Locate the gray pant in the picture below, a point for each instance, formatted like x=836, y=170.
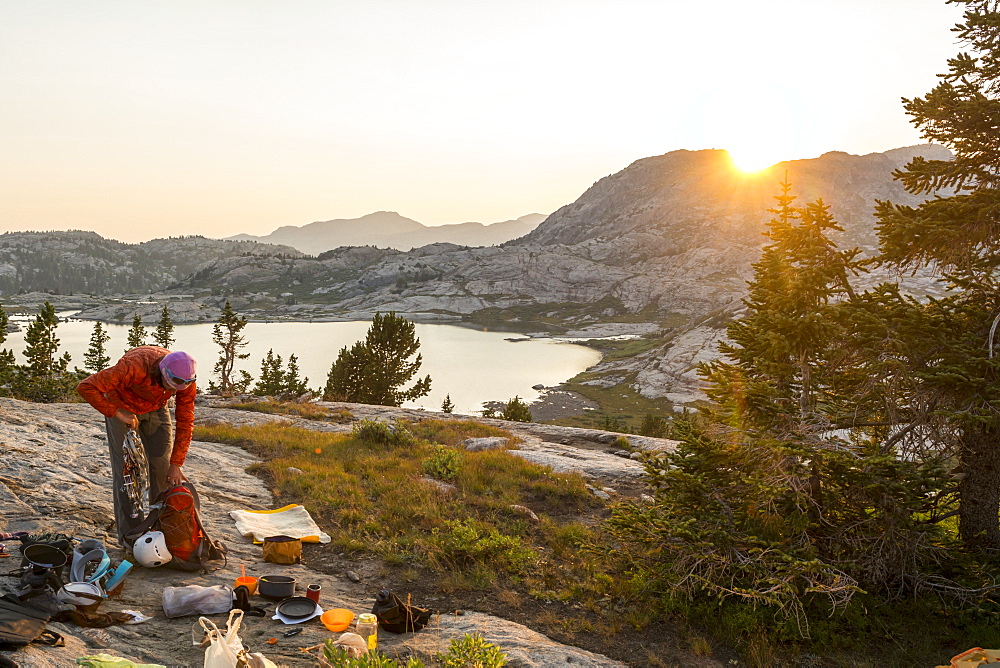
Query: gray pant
x=156, y=431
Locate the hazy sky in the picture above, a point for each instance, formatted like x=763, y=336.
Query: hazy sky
x=140, y=119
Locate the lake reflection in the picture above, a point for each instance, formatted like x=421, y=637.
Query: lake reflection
x=472, y=366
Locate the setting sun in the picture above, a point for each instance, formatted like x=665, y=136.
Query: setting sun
x=753, y=160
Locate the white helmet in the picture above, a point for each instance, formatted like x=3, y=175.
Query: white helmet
x=151, y=549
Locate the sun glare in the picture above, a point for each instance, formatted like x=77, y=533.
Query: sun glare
x=750, y=161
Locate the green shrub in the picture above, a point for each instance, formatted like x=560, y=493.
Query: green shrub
x=463, y=542
x=443, y=464
x=375, y=431
x=516, y=411
x=335, y=657
x=472, y=651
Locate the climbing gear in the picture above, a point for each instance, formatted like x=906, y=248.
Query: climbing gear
x=135, y=472
x=90, y=561
x=151, y=549
x=115, y=577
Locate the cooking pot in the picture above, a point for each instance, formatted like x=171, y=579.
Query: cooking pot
x=44, y=555
x=276, y=586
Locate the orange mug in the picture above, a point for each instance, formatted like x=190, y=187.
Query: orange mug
x=248, y=582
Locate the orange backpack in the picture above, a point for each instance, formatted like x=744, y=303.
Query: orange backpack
x=178, y=518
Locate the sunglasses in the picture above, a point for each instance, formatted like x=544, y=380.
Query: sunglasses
x=177, y=380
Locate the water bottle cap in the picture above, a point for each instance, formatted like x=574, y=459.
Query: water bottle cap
x=367, y=618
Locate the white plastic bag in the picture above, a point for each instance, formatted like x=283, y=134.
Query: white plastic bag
x=224, y=647
x=195, y=600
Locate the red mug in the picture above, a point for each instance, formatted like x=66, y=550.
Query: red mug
x=313, y=592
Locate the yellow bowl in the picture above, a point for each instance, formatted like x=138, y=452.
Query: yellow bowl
x=248, y=582
x=337, y=619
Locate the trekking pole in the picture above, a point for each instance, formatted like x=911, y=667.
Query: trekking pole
x=135, y=480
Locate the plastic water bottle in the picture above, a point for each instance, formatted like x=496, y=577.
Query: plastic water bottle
x=368, y=629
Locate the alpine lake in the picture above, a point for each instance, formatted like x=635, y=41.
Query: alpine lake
x=470, y=365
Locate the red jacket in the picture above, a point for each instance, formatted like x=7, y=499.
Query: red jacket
x=133, y=384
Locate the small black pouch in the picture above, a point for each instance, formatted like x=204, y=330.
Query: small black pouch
x=396, y=616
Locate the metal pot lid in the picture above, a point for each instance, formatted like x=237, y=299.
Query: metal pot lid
x=297, y=607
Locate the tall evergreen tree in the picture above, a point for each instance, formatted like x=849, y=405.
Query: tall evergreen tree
x=375, y=370
x=766, y=502
x=96, y=357
x=271, y=381
x=45, y=376
x=137, y=333
x=164, y=334
x=780, y=363
x=293, y=384
x=8, y=363
x=226, y=334
x=42, y=345
x=947, y=347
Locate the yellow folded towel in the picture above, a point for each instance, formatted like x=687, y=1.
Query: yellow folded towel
x=293, y=520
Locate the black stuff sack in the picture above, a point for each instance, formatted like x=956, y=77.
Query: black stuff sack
x=21, y=625
x=396, y=616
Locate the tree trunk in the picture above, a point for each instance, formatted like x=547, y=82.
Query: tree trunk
x=979, y=489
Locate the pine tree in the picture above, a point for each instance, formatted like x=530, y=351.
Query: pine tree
x=764, y=500
x=946, y=347
x=45, y=376
x=226, y=334
x=42, y=346
x=164, y=334
x=272, y=379
x=8, y=363
x=96, y=357
x=375, y=370
x=447, y=406
x=781, y=362
x=137, y=334
x=292, y=383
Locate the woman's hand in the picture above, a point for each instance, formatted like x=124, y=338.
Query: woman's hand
x=128, y=419
x=175, y=476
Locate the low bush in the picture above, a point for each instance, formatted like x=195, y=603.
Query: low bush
x=443, y=464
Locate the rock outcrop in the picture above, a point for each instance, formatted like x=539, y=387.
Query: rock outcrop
x=55, y=477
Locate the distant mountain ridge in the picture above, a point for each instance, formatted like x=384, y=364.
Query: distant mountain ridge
x=674, y=234
x=77, y=261
x=388, y=229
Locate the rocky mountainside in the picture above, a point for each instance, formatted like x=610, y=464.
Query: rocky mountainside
x=77, y=261
x=668, y=240
x=672, y=234
x=388, y=229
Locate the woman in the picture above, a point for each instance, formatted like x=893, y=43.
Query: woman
x=133, y=394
